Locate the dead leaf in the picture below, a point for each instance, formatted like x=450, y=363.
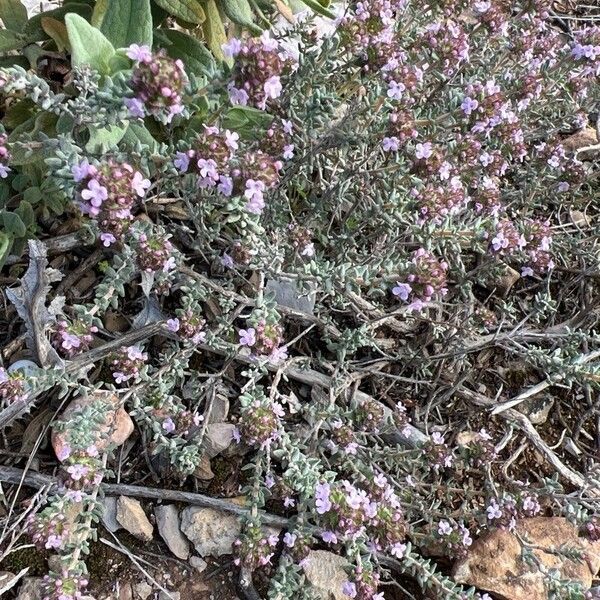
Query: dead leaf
x=34, y=430
x=285, y=11
x=30, y=301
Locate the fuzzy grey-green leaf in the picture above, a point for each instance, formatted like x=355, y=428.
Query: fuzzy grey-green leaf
x=126, y=22
x=89, y=45
x=188, y=10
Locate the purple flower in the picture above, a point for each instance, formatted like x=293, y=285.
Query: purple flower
x=444, y=528
x=95, y=193
x=329, y=537
x=398, y=550
x=4, y=171
x=227, y=261
x=232, y=47
x=288, y=127
x=469, y=105
x=278, y=354
x=107, y=239
x=247, y=336
x=135, y=107
x=78, y=471
x=225, y=186
x=273, y=87
x=139, y=53
x=254, y=189
x=563, y=186
x=395, y=90
x=238, y=96
x=70, y=341
x=322, y=502
x=182, y=161
x=349, y=588
x=168, y=425
x=208, y=168
x=390, y=144
x=402, y=290
x=424, y=150
x=139, y=184
x=255, y=206
x=82, y=170
x=526, y=272
x=173, y=325
x=493, y=511
x=231, y=139
x=63, y=452
x=289, y=539
x=288, y=152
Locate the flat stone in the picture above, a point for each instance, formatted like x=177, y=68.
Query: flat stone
x=142, y=590
x=167, y=521
x=325, y=571
x=114, y=431
x=217, y=438
x=494, y=562
x=286, y=293
x=198, y=563
x=109, y=516
x=132, y=517
x=169, y=596
x=211, y=531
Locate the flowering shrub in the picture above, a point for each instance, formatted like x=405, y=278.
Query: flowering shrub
x=401, y=169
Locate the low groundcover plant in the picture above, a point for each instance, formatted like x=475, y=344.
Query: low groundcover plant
x=411, y=169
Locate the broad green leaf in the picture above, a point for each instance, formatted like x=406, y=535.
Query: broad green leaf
x=240, y=13
x=58, y=32
x=34, y=30
x=99, y=11
x=25, y=212
x=245, y=119
x=319, y=7
x=214, y=31
x=188, y=10
x=12, y=224
x=13, y=15
x=105, y=139
x=12, y=61
x=138, y=134
x=5, y=243
x=89, y=46
x=126, y=22
x=194, y=54
x=31, y=196
x=18, y=113
x=10, y=40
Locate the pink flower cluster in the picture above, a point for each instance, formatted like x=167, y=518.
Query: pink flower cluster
x=261, y=423
x=504, y=512
x=259, y=66
x=454, y=538
x=368, y=416
x=63, y=586
x=155, y=253
x=158, y=83
x=265, y=339
x=480, y=450
x=426, y=278
x=108, y=193
x=439, y=454
x=73, y=338
x=363, y=584
x=215, y=161
x=4, y=157
x=188, y=325
x=128, y=363
x=12, y=386
x=253, y=549
x=48, y=529
x=348, y=512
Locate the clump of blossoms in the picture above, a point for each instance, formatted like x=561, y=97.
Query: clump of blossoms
x=426, y=278
x=363, y=584
x=49, y=529
x=347, y=512
x=128, y=364
x=254, y=549
x=504, y=512
x=454, y=538
x=479, y=449
x=12, y=386
x=260, y=420
x=66, y=585
x=108, y=192
x=265, y=339
x=439, y=454
x=158, y=83
x=259, y=66
x=4, y=157
x=72, y=338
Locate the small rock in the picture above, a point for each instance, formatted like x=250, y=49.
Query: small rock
x=125, y=591
x=211, y=531
x=109, y=515
x=219, y=409
x=204, y=471
x=325, y=571
x=537, y=409
x=115, y=430
x=142, y=590
x=584, y=137
x=169, y=596
x=167, y=521
x=286, y=293
x=132, y=517
x=31, y=589
x=504, y=280
x=494, y=561
x=579, y=218
x=198, y=563
x=217, y=437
